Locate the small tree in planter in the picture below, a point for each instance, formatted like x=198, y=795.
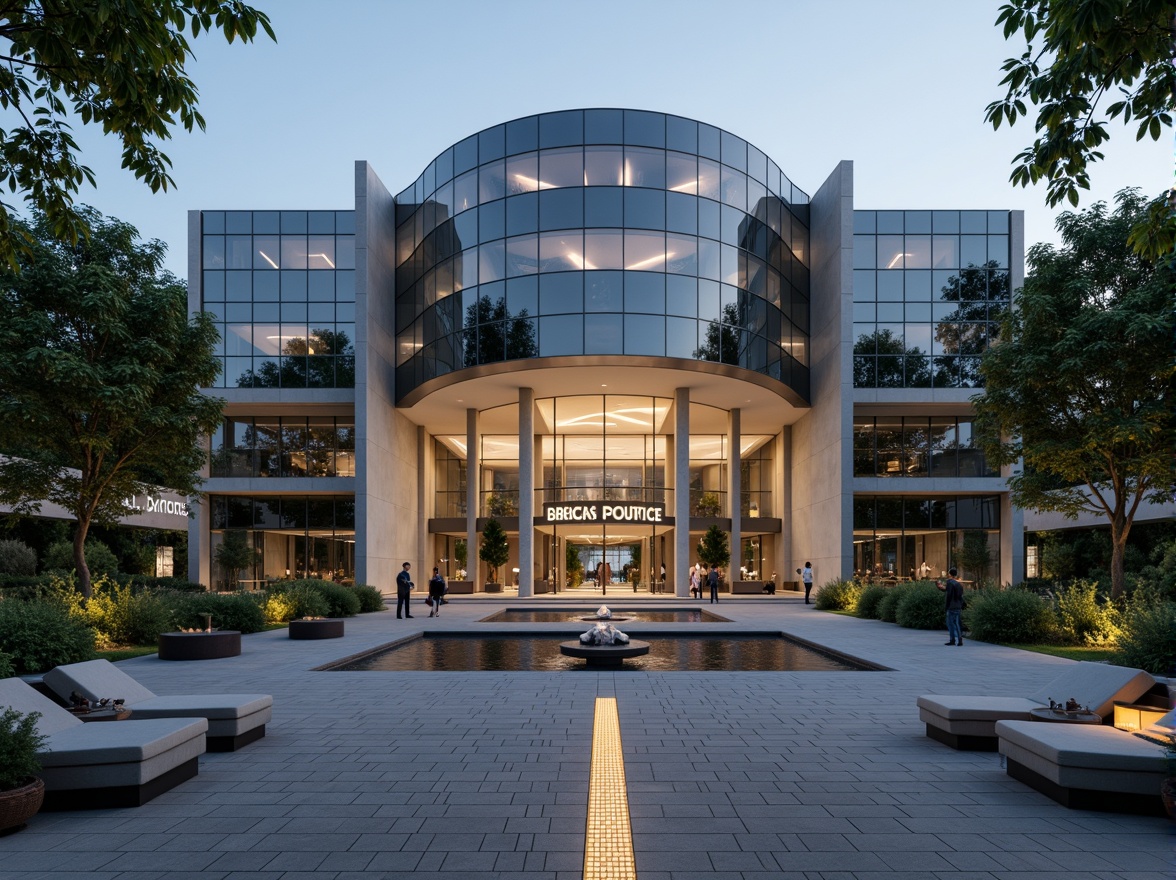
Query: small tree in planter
x=21, y=791
x=460, y=556
x=708, y=505
x=713, y=549
x=234, y=554
x=495, y=550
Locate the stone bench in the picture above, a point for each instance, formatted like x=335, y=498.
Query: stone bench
x=1085, y=767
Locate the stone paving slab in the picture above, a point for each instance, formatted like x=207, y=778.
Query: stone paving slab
x=821, y=775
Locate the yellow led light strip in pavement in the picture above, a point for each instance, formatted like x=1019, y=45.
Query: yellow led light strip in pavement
x=608, y=843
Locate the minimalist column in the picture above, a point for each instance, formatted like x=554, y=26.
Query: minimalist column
x=526, y=492
x=734, y=493
x=473, y=481
x=682, y=556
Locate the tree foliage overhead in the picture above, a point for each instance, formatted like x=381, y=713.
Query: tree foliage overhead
x=1087, y=63
x=1084, y=377
x=115, y=63
x=100, y=371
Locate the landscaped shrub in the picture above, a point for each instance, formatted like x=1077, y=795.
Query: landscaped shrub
x=838, y=596
x=286, y=601
x=40, y=635
x=149, y=582
x=17, y=557
x=19, y=744
x=239, y=611
x=99, y=558
x=26, y=586
x=1083, y=619
x=1009, y=617
x=1148, y=641
x=341, y=601
x=888, y=607
x=869, y=600
x=370, y=599
x=921, y=606
x=120, y=616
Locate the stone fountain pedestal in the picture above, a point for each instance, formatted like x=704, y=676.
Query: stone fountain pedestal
x=605, y=656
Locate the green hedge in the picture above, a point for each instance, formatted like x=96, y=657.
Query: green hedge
x=888, y=607
x=1149, y=637
x=287, y=600
x=370, y=599
x=838, y=596
x=40, y=635
x=239, y=611
x=148, y=582
x=869, y=600
x=1011, y=617
x=1085, y=618
x=921, y=606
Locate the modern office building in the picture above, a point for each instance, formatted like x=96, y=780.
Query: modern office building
x=608, y=330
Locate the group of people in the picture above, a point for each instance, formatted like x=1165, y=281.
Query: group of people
x=404, y=585
x=704, y=574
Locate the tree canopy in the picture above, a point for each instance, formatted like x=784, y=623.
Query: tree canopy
x=1080, y=54
x=100, y=371
x=495, y=548
x=1083, y=378
x=115, y=63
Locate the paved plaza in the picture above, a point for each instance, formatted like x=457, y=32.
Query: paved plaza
x=485, y=774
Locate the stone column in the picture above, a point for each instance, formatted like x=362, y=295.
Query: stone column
x=526, y=492
x=682, y=555
x=734, y=491
x=473, y=481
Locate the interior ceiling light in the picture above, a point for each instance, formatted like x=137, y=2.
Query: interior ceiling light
x=688, y=186
x=660, y=258
x=324, y=257
x=265, y=257
x=897, y=257
x=534, y=183
x=578, y=261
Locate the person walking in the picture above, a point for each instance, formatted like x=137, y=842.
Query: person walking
x=712, y=581
x=695, y=582
x=806, y=575
x=954, y=596
x=403, y=591
x=436, y=592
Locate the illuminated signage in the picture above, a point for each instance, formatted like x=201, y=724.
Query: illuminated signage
x=603, y=512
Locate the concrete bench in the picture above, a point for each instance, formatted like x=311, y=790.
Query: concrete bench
x=1085, y=767
x=120, y=764
x=969, y=722
x=234, y=720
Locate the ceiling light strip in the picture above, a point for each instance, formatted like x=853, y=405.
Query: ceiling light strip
x=608, y=841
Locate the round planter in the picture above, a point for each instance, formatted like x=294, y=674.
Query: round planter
x=199, y=645
x=604, y=655
x=18, y=805
x=323, y=628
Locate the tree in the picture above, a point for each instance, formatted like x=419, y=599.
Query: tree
x=115, y=63
x=324, y=360
x=1076, y=53
x=573, y=565
x=493, y=334
x=887, y=371
x=1083, y=379
x=973, y=554
x=233, y=554
x=100, y=377
x=713, y=549
x=494, y=549
x=722, y=338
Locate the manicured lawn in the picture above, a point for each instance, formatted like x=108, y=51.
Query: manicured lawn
x=117, y=654
x=1094, y=655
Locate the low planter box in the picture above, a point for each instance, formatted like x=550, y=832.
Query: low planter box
x=747, y=587
x=493, y=588
x=323, y=628
x=199, y=645
x=461, y=587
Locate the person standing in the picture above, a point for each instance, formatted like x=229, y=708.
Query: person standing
x=954, y=596
x=695, y=582
x=712, y=581
x=403, y=591
x=436, y=592
x=806, y=575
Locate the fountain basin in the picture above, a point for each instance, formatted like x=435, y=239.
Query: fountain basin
x=604, y=655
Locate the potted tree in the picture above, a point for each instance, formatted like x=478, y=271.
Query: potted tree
x=713, y=549
x=708, y=505
x=21, y=790
x=459, y=584
x=494, y=551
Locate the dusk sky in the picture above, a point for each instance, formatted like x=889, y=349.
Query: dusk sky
x=899, y=88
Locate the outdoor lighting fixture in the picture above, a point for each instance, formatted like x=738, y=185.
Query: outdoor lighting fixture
x=1132, y=716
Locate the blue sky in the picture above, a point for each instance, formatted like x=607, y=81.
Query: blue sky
x=898, y=87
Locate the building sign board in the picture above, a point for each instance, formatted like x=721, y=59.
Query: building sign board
x=604, y=512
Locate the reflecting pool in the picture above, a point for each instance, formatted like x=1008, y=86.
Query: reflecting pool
x=532, y=653
x=588, y=615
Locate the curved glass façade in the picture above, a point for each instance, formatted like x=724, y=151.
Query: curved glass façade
x=602, y=232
